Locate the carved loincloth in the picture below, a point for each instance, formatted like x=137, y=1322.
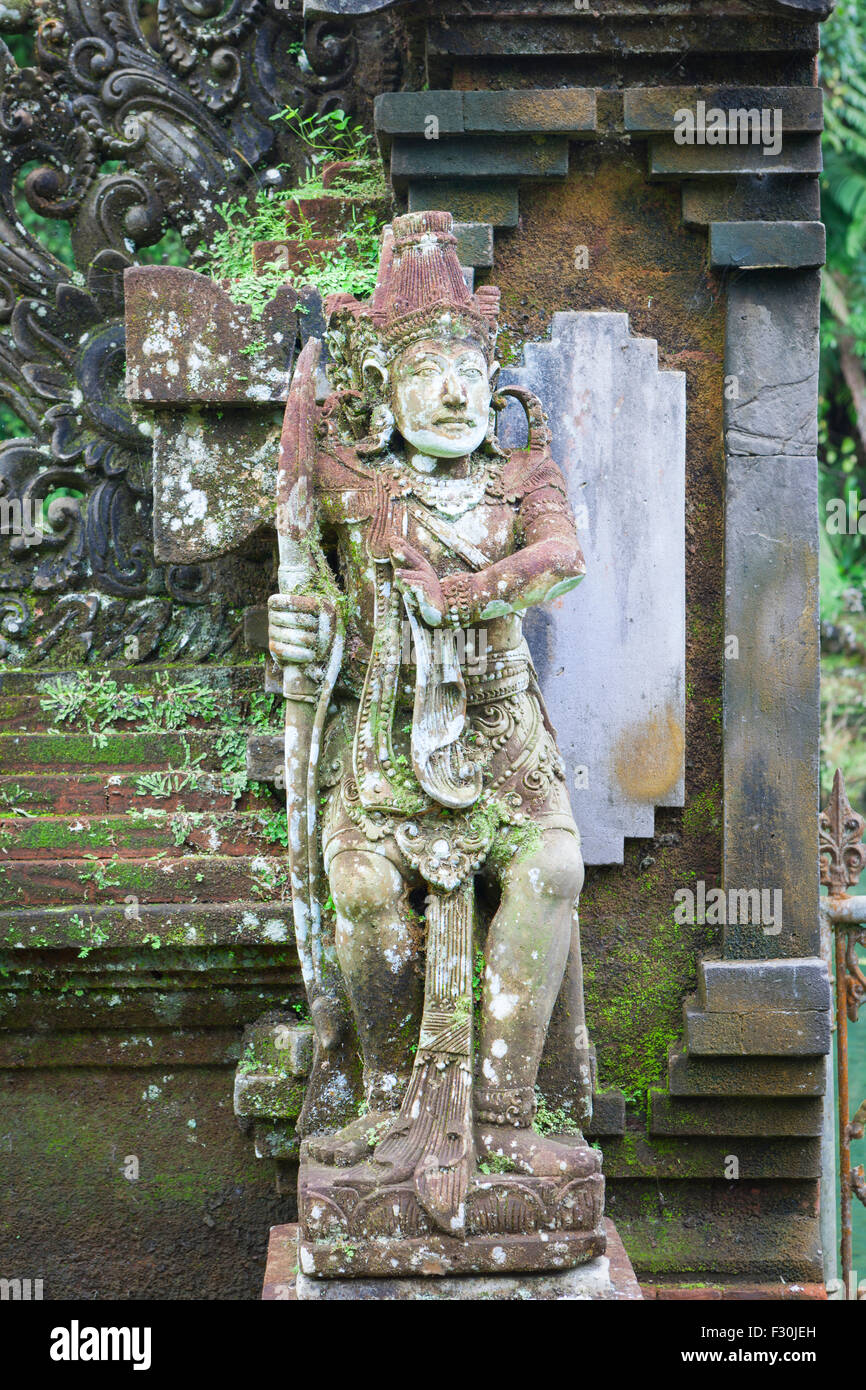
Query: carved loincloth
x=523, y=787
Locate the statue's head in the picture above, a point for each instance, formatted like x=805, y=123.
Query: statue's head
x=421, y=350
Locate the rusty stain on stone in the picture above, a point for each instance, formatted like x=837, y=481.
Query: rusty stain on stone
x=648, y=757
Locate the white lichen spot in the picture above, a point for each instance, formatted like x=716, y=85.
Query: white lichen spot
x=503, y=1005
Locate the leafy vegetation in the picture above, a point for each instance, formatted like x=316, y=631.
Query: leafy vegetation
x=352, y=265
x=842, y=408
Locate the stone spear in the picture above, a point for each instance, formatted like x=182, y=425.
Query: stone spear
x=307, y=689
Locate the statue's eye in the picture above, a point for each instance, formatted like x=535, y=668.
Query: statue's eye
x=470, y=371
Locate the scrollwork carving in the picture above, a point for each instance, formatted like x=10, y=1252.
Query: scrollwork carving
x=127, y=125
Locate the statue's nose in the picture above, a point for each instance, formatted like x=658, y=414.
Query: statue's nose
x=453, y=390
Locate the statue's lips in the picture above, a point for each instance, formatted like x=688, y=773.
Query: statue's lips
x=464, y=421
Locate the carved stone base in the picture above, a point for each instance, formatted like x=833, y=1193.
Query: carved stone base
x=589, y=1281
x=608, y=1277
x=514, y=1224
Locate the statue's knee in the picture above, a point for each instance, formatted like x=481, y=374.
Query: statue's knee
x=363, y=885
x=554, y=869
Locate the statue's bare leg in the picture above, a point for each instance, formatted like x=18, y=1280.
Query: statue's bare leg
x=527, y=949
x=379, y=948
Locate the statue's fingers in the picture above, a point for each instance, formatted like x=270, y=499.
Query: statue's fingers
x=294, y=637
x=290, y=604
x=288, y=624
x=295, y=618
x=285, y=651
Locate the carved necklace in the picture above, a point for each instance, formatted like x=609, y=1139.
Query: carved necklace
x=452, y=497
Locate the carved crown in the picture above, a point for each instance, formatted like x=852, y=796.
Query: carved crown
x=420, y=290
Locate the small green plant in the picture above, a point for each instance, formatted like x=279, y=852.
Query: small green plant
x=275, y=827
x=552, y=1121
x=498, y=1163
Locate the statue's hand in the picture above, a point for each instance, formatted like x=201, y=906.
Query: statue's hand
x=416, y=576
x=299, y=628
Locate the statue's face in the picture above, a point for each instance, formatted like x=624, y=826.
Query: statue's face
x=440, y=396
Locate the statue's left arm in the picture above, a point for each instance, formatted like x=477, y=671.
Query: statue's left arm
x=548, y=563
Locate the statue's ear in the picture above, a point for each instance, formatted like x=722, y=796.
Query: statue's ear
x=493, y=374
x=375, y=375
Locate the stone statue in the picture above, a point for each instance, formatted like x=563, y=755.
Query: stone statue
x=424, y=784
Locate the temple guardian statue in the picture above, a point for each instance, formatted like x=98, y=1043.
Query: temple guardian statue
x=429, y=823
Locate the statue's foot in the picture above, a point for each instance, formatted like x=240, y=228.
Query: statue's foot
x=350, y=1145
x=501, y=1148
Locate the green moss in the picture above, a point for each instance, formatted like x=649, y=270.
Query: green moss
x=703, y=814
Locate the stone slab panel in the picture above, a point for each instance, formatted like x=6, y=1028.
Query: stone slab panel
x=608, y=1114
x=472, y=36
x=753, y=986
x=564, y=110
x=214, y=479
x=187, y=341
x=764, y=197
x=745, y=1076
x=767, y=1117
x=800, y=154
x=638, y=1156
x=610, y=655
x=771, y=1034
x=408, y=113
x=771, y=357
x=474, y=244
x=610, y=1278
x=481, y=201
x=650, y=110
x=771, y=690
x=767, y=245
x=559, y=110
x=479, y=157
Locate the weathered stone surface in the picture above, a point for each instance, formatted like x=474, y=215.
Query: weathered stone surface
x=409, y=113
x=754, y=986
x=767, y=245
x=182, y=925
x=716, y=1229
x=800, y=154
x=214, y=480
x=265, y=757
x=764, y=1117
x=266, y=1094
x=481, y=201
x=650, y=110
x=735, y=1293
x=479, y=156
x=765, y=197
x=608, y=1114
x=745, y=1076
x=170, y=1048
x=771, y=1034
x=771, y=717
x=474, y=244
x=609, y=1277
x=771, y=356
x=187, y=341
x=464, y=37
x=591, y=1281
x=280, y=1042
x=637, y=1155
x=618, y=431
x=567, y=111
